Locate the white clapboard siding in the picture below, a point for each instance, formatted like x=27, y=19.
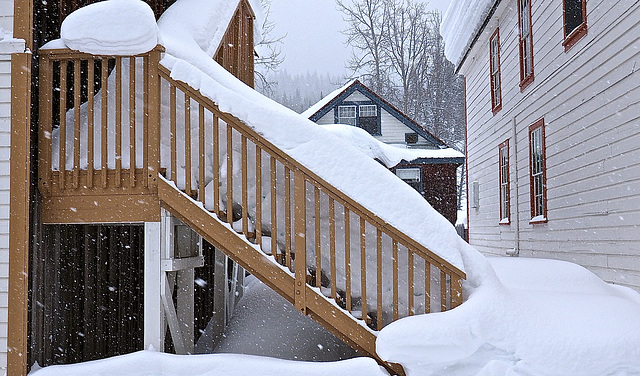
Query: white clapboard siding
x=589, y=98
x=5, y=136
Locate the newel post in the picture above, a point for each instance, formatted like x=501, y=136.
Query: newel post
x=152, y=116
x=300, y=228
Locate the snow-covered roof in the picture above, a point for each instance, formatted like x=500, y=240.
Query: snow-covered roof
x=390, y=155
x=462, y=21
x=336, y=97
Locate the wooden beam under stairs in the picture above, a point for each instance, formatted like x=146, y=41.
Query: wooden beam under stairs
x=247, y=255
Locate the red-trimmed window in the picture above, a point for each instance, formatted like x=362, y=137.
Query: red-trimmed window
x=505, y=202
x=526, y=43
x=574, y=16
x=494, y=65
x=537, y=163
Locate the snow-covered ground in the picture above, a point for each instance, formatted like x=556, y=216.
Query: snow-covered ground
x=265, y=324
x=544, y=317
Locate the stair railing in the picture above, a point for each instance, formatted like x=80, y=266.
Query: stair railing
x=325, y=238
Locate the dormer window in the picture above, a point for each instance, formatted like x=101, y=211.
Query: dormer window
x=347, y=115
x=363, y=116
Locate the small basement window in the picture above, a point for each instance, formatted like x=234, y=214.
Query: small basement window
x=411, y=176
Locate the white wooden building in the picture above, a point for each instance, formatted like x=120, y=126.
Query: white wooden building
x=433, y=173
x=553, y=130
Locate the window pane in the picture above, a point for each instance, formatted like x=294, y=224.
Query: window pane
x=368, y=110
x=347, y=115
x=573, y=16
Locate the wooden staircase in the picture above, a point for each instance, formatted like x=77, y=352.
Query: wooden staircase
x=324, y=252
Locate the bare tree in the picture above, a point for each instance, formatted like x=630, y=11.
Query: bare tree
x=366, y=33
x=268, y=55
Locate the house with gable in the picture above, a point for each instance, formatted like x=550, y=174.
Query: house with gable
x=553, y=133
x=142, y=176
x=432, y=173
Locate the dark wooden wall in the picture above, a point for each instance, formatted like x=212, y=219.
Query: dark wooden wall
x=439, y=184
x=235, y=53
x=86, y=293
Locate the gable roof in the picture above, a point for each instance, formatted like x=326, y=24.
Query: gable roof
x=326, y=104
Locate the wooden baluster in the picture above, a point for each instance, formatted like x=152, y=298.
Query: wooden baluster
x=379, y=277
x=258, y=196
x=245, y=189
x=90, y=121
x=132, y=122
x=332, y=247
x=118, y=154
x=394, y=245
x=410, y=282
x=62, y=142
x=427, y=286
x=274, y=217
x=363, y=267
x=201, y=154
x=300, y=241
x=76, y=123
x=347, y=256
x=173, y=121
x=443, y=291
x=318, y=248
x=148, y=109
x=287, y=215
x=45, y=156
x=105, y=122
x=229, y=174
x=187, y=144
x=216, y=165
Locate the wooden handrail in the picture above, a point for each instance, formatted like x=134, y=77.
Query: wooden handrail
x=293, y=164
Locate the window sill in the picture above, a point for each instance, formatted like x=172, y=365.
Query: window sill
x=504, y=222
x=575, y=36
x=526, y=82
x=496, y=109
x=538, y=219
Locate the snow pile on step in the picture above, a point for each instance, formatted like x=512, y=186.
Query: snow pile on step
x=161, y=364
x=334, y=160
x=113, y=27
x=460, y=24
x=390, y=155
x=546, y=317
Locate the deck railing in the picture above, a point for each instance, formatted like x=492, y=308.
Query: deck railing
x=325, y=238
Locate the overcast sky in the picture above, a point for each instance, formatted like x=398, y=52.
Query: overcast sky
x=313, y=40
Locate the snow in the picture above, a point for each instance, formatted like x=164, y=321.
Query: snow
x=324, y=101
x=334, y=160
x=389, y=155
x=113, y=27
x=265, y=324
x=542, y=317
x=151, y=363
x=460, y=24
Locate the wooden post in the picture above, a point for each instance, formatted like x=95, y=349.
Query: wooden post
x=19, y=214
x=152, y=117
x=153, y=325
x=300, y=228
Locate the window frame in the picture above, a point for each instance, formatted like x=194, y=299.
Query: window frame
x=538, y=217
x=571, y=38
x=418, y=182
x=504, y=182
x=494, y=72
x=525, y=79
x=367, y=106
x=355, y=114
